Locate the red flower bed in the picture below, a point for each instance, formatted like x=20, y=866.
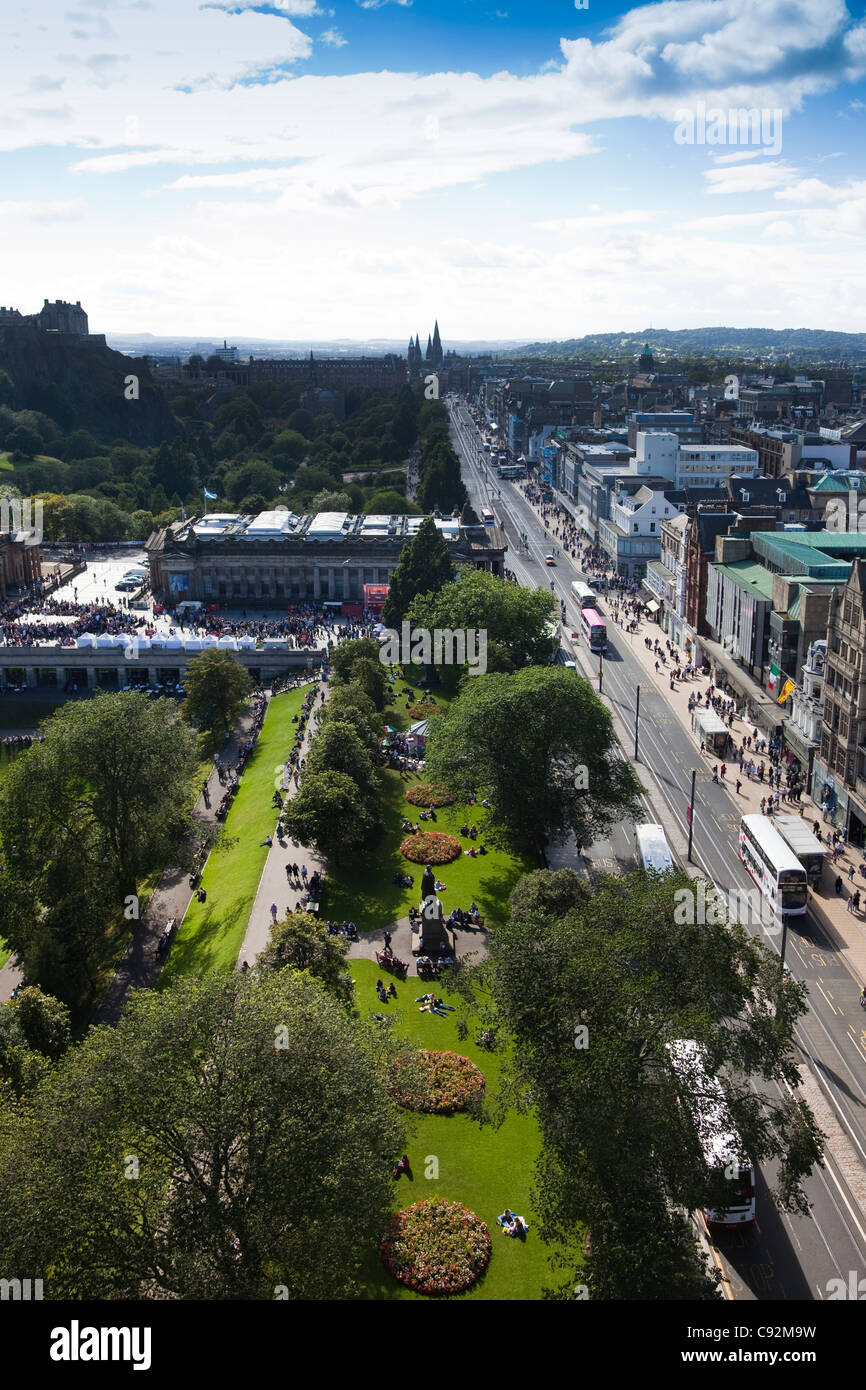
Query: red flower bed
x=426, y=711
x=436, y=1247
x=430, y=794
x=436, y=1082
x=431, y=847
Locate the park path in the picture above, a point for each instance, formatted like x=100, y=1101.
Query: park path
x=274, y=885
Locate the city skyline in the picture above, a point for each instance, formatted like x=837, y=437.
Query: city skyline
x=529, y=172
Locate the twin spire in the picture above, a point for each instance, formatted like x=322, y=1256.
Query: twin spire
x=421, y=361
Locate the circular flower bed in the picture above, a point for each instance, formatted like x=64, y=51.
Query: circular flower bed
x=430, y=794
x=431, y=847
x=435, y=1082
x=436, y=1247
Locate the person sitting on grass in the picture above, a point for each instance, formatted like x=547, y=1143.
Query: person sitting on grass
x=400, y=1167
x=512, y=1224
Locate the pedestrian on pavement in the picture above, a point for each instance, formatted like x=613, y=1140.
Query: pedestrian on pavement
x=274, y=911
x=715, y=774
x=850, y=873
x=739, y=784
x=288, y=871
x=838, y=885
x=856, y=900
x=387, y=941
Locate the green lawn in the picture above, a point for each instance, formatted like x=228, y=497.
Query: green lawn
x=363, y=891
x=486, y=1169
x=211, y=933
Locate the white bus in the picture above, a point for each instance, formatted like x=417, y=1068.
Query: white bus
x=585, y=596
x=651, y=847
x=593, y=630
x=773, y=865
x=487, y=516
x=720, y=1143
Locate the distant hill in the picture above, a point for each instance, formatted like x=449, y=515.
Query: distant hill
x=795, y=344
x=81, y=385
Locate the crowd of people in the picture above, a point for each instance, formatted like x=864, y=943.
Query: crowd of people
x=95, y=618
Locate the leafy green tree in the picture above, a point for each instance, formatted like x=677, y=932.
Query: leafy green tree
x=592, y=987
x=217, y=691
x=329, y=813
x=540, y=745
x=329, y=501
x=338, y=748
x=23, y=441
x=300, y=943
x=34, y=1032
x=252, y=477
x=357, y=662
x=387, y=501
x=257, y=1114
x=520, y=624
x=106, y=792
x=424, y=567
x=350, y=704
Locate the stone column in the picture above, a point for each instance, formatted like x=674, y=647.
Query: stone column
x=30, y=675
x=91, y=678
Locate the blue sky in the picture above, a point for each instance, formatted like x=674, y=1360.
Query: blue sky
x=353, y=170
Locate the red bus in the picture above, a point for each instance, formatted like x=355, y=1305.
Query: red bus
x=593, y=629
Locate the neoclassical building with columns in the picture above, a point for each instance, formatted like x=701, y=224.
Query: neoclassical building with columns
x=278, y=559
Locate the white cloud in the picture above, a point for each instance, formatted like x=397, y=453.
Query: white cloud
x=748, y=178
x=333, y=38
x=34, y=210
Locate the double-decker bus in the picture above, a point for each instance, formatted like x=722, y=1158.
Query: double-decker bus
x=487, y=516
x=721, y=1145
x=652, y=850
x=511, y=470
x=593, y=630
x=585, y=596
x=773, y=865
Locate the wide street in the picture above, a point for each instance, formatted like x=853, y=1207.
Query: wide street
x=786, y=1257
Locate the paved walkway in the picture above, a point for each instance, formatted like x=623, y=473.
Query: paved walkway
x=274, y=885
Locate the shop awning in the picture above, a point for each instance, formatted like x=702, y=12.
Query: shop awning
x=652, y=606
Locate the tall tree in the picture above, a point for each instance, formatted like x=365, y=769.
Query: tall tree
x=520, y=624
x=331, y=814
x=424, y=567
x=540, y=745
x=299, y=943
x=593, y=987
x=229, y=1138
x=338, y=748
x=217, y=691
x=110, y=786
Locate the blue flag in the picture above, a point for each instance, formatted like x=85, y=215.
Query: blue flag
x=211, y=496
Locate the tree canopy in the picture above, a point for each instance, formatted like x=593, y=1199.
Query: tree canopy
x=593, y=986
x=85, y=816
x=217, y=691
x=521, y=624
x=424, y=567
x=539, y=745
x=232, y=1136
